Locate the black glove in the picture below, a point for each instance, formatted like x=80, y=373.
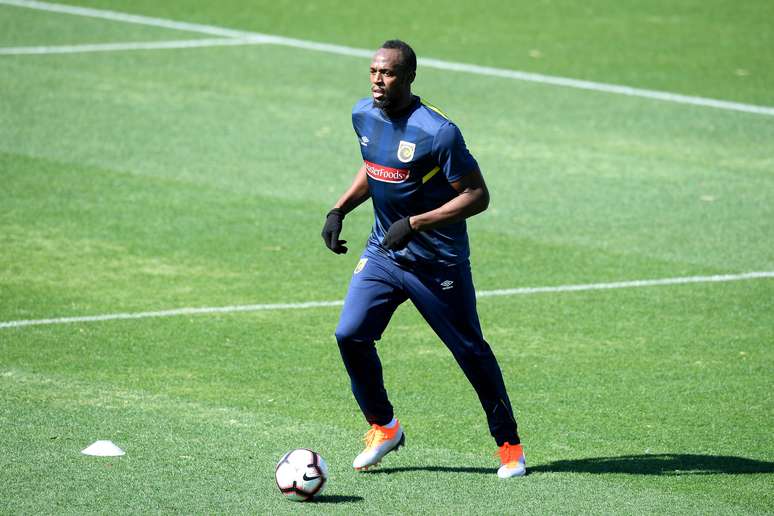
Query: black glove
x=332, y=230
x=399, y=235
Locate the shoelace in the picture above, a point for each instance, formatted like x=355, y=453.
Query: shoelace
x=509, y=453
x=372, y=436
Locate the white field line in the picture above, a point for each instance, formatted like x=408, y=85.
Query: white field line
x=325, y=304
x=149, y=45
x=430, y=63
x=627, y=284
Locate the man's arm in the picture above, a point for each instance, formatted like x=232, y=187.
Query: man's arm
x=472, y=198
x=355, y=195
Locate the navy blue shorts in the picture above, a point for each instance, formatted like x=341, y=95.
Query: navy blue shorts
x=446, y=298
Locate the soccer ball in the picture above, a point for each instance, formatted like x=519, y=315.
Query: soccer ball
x=301, y=474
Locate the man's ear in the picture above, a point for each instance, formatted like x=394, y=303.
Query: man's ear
x=412, y=76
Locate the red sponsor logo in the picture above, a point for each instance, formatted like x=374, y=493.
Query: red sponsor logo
x=386, y=174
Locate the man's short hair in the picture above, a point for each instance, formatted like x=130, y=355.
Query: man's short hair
x=408, y=59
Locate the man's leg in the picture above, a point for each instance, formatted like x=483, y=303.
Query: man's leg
x=373, y=296
x=446, y=299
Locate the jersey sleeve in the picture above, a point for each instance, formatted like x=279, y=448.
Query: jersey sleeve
x=357, y=117
x=452, y=154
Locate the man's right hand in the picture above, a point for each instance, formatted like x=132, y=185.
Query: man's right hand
x=332, y=230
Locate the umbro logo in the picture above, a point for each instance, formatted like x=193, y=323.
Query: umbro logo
x=446, y=285
x=364, y=141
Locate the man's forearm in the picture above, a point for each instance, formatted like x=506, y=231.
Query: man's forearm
x=472, y=198
x=356, y=194
x=468, y=203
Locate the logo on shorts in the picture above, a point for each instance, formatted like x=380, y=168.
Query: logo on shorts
x=364, y=141
x=360, y=265
x=406, y=151
x=448, y=284
x=386, y=174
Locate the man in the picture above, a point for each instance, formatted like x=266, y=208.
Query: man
x=423, y=183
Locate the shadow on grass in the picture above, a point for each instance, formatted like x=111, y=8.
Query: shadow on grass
x=432, y=469
x=336, y=499
x=663, y=464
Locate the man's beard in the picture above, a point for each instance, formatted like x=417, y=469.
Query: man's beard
x=390, y=103
x=384, y=103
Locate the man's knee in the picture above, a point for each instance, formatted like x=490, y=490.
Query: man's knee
x=346, y=335
x=355, y=332
x=471, y=348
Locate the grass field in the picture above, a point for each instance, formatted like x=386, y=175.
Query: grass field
x=150, y=180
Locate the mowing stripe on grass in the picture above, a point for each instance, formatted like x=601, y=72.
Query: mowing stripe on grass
x=149, y=45
x=430, y=63
x=321, y=304
x=127, y=18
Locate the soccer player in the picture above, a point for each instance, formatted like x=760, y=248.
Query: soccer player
x=424, y=183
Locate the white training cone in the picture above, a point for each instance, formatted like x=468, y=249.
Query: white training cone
x=103, y=449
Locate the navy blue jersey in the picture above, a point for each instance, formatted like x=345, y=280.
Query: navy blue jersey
x=410, y=161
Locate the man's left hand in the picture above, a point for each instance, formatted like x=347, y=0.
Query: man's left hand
x=399, y=235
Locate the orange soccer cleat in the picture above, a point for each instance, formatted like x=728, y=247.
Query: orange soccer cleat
x=512, y=462
x=379, y=441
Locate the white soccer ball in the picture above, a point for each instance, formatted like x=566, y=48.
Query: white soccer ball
x=301, y=474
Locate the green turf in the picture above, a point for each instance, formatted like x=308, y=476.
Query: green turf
x=22, y=27
x=617, y=421
x=136, y=181
x=714, y=48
